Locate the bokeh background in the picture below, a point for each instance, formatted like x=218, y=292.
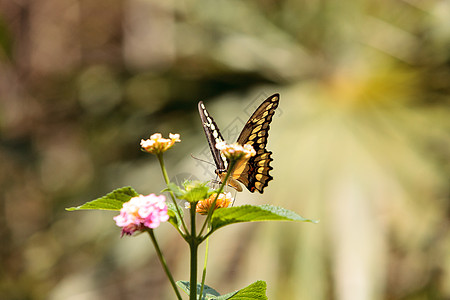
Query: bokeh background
x=360, y=140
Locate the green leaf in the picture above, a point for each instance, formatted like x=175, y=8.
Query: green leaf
x=194, y=191
x=256, y=290
x=112, y=201
x=175, y=189
x=208, y=292
x=196, y=194
x=174, y=218
x=253, y=213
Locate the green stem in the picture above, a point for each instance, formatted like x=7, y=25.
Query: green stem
x=166, y=179
x=204, y=267
x=208, y=218
x=163, y=168
x=164, y=264
x=210, y=212
x=193, y=245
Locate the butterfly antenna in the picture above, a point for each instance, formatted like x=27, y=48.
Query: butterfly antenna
x=205, y=161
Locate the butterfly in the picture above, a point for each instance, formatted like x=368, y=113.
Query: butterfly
x=254, y=173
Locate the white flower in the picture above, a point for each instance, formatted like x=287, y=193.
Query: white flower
x=236, y=151
x=157, y=144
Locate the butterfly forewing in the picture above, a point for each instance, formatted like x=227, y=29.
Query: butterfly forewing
x=255, y=174
x=213, y=136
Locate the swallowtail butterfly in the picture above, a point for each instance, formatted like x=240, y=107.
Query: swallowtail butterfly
x=254, y=173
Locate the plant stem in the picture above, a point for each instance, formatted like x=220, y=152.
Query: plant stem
x=222, y=186
x=193, y=245
x=204, y=267
x=166, y=179
x=163, y=262
x=213, y=206
x=163, y=168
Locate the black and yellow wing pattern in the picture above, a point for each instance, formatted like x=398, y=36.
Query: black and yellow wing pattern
x=254, y=173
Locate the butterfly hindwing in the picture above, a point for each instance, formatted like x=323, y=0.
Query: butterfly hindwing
x=254, y=173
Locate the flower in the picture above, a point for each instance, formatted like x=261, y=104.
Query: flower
x=223, y=200
x=142, y=212
x=235, y=151
x=157, y=144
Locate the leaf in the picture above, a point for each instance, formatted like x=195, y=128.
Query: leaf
x=112, y=201
x=175, y=189
x=196, y=194
x=193, y=190
x=208, y=292
x=174, y=218
x=256, y=290
x=253, y=213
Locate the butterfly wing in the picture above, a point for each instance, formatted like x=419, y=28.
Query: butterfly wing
x=213, y=136
x=255, y=173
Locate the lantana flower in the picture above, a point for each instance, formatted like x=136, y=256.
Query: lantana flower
x=224, y=200
x=157, y=144
x=142, y=212
x=236, y=151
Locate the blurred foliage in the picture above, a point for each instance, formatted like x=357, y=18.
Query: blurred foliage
x=360, y=141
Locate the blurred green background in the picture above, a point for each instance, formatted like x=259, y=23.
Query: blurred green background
x=360, y=140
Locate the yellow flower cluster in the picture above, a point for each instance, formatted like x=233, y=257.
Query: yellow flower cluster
x=224, y=200
x=157, y=144
x=235, y=151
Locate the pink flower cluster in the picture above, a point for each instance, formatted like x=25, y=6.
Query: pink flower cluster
x=142, y=212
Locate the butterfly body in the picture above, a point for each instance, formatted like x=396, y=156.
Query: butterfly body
x=254, y=173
